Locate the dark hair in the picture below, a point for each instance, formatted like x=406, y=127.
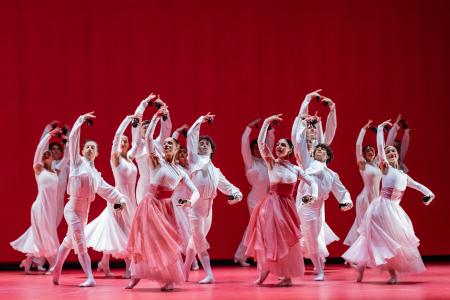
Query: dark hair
x=253, y=143
x=145, y=122
x=367, y=147
x=210, y=141
x=327, y=148
x=55, y=144
x=291, y=146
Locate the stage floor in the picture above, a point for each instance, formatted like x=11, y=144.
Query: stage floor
x=235, y=283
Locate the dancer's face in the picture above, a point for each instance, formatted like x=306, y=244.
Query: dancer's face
x=310, y=132
x=47, y=158
x=170, y=147
x=320, y=154
x=90, y=150
x=182, y=157
x=56, y=151
x=282, y=149
x=124, y=144
x=255, y=151
x=204, y=147
x=369, y=154
x=391, y=155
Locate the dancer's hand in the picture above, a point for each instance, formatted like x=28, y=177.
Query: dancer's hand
x=328, y=102
x=399, y=117
x=237, y=198
x=387, y=122
x=275, y=118
x=254, y=123
x=55, y=132
x=368, y=124
x=150, y=97
x=315, y=94
x=431, y=199
x=183, y=127
x=186, y=204
x=347, y=206
x=208, y=117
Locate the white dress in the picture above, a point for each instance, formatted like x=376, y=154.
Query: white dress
x=387, y=239
x=108, y=233
x=41, y=238
x=258, y=178
x=371, y=176
x=312, y=215
x=207, y=179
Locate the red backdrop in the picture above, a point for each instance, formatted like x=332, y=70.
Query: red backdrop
x=239, y=60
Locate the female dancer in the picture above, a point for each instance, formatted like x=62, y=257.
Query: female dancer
x=155, y=245
x=41, y=238
x=84, y=182
x=311, y=212
x=402, y=148
x=371, y=175
x=387, y=240
x=273, y=232
x=257, y=177
x=109, y=232
x=207, y=178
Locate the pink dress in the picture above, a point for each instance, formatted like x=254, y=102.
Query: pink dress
x=155, y=245
x=273, y=233
x=387, y=240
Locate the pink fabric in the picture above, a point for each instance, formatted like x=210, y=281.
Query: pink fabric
x=154, y=244
x=273, y=233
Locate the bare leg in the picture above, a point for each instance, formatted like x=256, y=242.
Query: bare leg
x=103, y=265
x=60, y=259
x=85, y=262
x=262, y=277
x=132, y=282
x=26, y=264
x=205, y=261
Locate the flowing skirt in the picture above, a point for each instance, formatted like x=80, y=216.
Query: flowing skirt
x=362, y=203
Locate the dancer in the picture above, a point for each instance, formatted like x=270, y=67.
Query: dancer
x=371, y=175
x=387, y=240
x=84, y=182
x=41, y=238
x=402, y=148
x=311, y=212
x=155, y=245
x=141, y=153
x=207, y=178
x=109, y=232
x=273, y=231
x=257, y=177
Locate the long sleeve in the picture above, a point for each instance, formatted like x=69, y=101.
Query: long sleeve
x=304, y=106
x=141, y=108
x=262, y=145
x=193, y=137
x=405, y=145
x=301, y=147
x=359, y=142
x=74, y=142
x=418, y=186
x=108, y=192
x=149, y=134
x=319, y=133
x=380, y=143
x=309, y=180
x=392, y=135
x=226, y=187
x=175, y=135
x=245, y=148
x=120, y=131
x=165, y=130
x=270, y=139
x=42, y=146
x=195, y=195
x=339, y=191
x=136, y=141
x=47, y=129
x=330, y=126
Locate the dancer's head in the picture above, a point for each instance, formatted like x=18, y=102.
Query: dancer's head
x=182, y=156
x=144, y=127
x=47, y=158
x=90, y=150
x=369, y=153
x=124, y=144
x=391, y=156
x=206, y=146
x=255, y=149
x=170, y=148
x=323, y=153
x=56, y=150
x=284, y=148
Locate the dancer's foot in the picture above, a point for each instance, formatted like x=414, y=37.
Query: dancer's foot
x=285, y=282
x=105, y=269
x=320, y=276
x=242, y=262
x=393, y=279
x=360, y=271
x=132, y=283
x=90, y=282
x=195, y=266
x=207, y=280
x=55, y=275
x=262, y=277
x=126, y=275
x=26, y=265
x=41, y=268
x=167, y=287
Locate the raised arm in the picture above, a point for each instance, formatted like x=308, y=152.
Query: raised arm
x=301, y=147
x=165, y=130
x=41, y=147
x=405, y=144
x=149, y=142
x=266, y=153
x=392, y=135
x=115, y=149
x=193, y=137
x=245, y=148
x=304, y=106
x=74, y=139
x=136, y=140
x=359, y=142
x=176, y=133
x=331, y=125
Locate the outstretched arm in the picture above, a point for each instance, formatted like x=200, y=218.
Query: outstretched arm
x=341, y=193
x=421, y=188
x=262, y=142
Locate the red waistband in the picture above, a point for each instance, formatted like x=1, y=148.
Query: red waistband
x=285, y=189
x=391, y=193
x=161, y=192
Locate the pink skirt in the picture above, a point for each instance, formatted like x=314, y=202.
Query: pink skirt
x=154, y=244
x=273, y=233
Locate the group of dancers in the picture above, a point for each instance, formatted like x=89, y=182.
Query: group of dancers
x=158, y=223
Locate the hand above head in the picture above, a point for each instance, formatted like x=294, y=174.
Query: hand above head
x=431, y=198
x=208, y=118
x=315, y=94
x=275, y=118
x=150, y=97
x=89, y=115
x=328, y=102
x=387, y=122
x=55, y=132
x=182, y=127
x=254, y=123
x=399, y=117
x=367, y=124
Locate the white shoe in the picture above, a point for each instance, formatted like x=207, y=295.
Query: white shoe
x=242, y=262
x=207, y=280
x=90, y=282
x=320, y=276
